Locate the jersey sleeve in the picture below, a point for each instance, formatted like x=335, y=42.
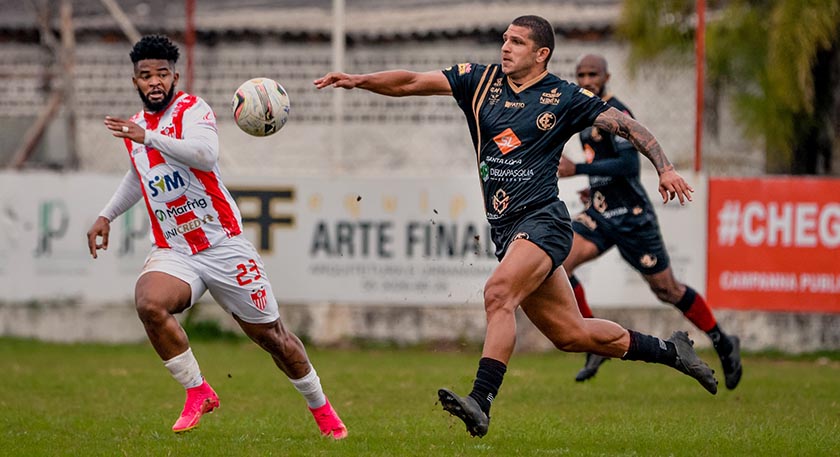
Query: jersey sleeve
x=198, y=145
x=626, y=164
x=584, y=107
x=127, y=194
x=463, y=79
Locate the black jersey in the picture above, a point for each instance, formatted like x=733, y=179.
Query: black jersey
x=519, y=133
x=612, y=163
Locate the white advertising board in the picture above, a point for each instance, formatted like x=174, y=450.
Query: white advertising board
x=382, y=240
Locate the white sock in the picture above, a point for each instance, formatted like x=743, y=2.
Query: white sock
x=184, y=369
x=310, y=387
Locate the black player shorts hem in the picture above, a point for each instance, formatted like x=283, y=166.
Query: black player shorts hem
x=549, y=227
x=640, y=245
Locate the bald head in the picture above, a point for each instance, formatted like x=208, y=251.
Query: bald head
x=592, y=73
x=593, y=60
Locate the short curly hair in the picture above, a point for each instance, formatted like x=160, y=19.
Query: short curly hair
x=154, y=47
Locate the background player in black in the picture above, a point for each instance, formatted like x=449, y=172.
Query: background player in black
x=519, y=117
x=618, y=213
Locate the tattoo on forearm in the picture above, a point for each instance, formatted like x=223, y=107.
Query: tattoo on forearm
x=616, y=122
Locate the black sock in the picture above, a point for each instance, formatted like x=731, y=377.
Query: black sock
x=651, y=349
x=488, y=379
x=720, y=341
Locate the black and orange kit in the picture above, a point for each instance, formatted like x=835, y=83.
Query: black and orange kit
x=519, y=132
x=620, y=213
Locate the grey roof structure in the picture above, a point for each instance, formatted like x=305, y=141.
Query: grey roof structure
x=365, y=19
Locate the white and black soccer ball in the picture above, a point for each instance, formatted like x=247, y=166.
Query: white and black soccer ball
x=260, y=106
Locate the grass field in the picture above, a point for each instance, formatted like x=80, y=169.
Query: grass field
x=90, y=400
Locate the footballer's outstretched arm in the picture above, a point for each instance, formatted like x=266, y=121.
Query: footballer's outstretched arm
x=671, y=184
x=393, y=83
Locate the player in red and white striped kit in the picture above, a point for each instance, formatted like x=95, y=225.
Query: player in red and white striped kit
x=173, y=146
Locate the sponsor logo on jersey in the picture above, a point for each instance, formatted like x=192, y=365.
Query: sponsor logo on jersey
x=586, y=92
x=507, y=174
x=521, y=236
x=507, y=141
x=464, y=68
x=178, y=210
x=588, y=153
x=637, y=210
x=503, y=161
x=551, y=98
x=501, y=200
x=167, y=182
x=484, y=171
x=546, y=121
x=620, y=211
x=516, y=105
x=259, y=298
x=188, y=226
x=495, y=92
x=648, y=260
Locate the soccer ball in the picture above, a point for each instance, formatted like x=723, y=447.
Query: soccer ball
x=260, y=106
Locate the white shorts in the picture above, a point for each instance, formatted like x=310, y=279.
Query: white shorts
x=232, y=271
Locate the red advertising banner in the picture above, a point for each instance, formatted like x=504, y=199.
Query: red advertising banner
x=774, y=244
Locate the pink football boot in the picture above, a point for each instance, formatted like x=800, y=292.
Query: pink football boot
x=200, y=400
x=328, y=422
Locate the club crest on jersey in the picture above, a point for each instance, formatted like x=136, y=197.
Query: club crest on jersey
x=546, y=121
x=599, y=202
x=166, y=182
x=260, y=298
x=169, y=131
x=501, y=200
x=507, y=141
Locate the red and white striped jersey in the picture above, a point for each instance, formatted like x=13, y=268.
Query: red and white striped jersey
x=190, y=209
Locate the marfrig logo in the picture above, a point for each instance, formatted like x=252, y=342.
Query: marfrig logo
x=166, y=182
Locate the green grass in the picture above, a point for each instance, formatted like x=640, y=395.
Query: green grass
x=91, y=400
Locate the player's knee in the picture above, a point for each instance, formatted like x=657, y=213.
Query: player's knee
x=149, y=309
x=497, y=297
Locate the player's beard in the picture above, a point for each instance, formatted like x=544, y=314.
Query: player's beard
x=154, y=107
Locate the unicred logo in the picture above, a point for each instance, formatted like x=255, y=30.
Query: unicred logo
x=166, y=182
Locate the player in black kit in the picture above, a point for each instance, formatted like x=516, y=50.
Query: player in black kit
x=520, y=116
x=618, y=213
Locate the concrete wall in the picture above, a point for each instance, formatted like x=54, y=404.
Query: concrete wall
x=331, y=324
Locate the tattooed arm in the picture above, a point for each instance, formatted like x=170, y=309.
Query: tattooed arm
x=671, y=184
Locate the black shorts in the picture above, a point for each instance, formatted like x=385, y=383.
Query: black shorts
x=640, y=245
x=549, y=227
